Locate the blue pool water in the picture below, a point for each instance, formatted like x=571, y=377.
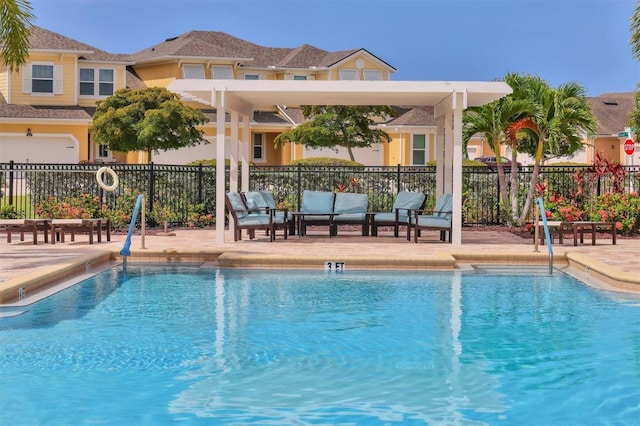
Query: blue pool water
x=198, y=346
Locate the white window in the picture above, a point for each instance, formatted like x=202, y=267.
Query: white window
x=373, y=75
x=258, y=147
x=251, y=77
x=106, y=82
x=419, y=150
x=221, y=72
x=299, y=77
x=193, y=71
x=103, y=152
x=88, y=83
x=42, y=78
x=349, y=75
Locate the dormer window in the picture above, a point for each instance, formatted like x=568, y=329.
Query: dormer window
x=222, y=72
x=372, y=75
x=349, y=74
x=195, y=71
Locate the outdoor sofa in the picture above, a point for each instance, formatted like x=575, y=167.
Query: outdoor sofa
x=334, y=209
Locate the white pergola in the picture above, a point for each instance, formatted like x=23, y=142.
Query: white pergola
x=240, y=98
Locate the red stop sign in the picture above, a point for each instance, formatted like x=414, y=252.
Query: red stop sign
x=629, y=147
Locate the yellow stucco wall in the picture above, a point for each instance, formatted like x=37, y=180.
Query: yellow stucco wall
x=609, y=147
x=119, y=83
x=69, y=73
x=4, y=82
x=79, y=131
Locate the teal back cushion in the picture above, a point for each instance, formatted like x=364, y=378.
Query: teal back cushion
x=268, y=198
x=235, y=199
x=351, y=203
x=317, y=201
x=408, y=200
x=255, y=197
x=444, y=206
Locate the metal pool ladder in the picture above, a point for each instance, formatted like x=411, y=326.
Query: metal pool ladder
x=126, y=252
x=547, y=234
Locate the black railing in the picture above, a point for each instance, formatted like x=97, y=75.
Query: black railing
x=181, y=189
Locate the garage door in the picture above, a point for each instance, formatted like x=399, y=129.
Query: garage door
x=38, y=149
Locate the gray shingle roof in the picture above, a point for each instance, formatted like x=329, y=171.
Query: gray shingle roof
x=613, y=111
x=215, y=44
x=42, y=111
x=41, y=39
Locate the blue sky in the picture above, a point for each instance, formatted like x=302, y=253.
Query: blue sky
x=586, y=41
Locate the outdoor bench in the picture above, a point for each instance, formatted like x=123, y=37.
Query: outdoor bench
x=559, y=228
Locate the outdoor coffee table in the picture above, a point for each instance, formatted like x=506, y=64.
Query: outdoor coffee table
x=301, y=218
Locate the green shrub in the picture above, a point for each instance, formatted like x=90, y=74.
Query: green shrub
x=325, y=161
x=8, y=212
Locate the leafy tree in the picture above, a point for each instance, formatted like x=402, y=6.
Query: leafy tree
x=491, y=121
x=560, y=116
x=150, y=119
x=338, y=125
x=15, y=23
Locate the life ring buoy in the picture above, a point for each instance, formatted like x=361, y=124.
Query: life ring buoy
x=99, y=175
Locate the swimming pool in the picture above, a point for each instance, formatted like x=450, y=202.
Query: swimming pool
x=193, y=345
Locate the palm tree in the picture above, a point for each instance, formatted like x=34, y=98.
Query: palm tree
x=635, y=32
x=15, y=22
x=555, y=127
x=491, y=122
x=635, y=50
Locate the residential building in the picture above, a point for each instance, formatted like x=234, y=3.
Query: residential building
x=46, y=107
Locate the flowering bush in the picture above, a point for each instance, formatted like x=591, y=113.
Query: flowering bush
x=82, y=207
x=623, y=209
x=198, y=217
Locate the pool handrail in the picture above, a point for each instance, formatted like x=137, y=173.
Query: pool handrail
x=547, y=234
x=126, y=251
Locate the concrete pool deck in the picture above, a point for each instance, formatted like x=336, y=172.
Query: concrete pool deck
x=29, y=266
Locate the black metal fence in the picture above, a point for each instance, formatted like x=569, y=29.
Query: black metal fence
x=185, y=189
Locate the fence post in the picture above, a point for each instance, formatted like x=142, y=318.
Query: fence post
x=397, y=179
x=498, y=219
x=299, y=186
x=11, y=182
x=200, y=176
x=152, y=186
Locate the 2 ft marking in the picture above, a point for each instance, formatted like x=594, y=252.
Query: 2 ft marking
x=333, y=266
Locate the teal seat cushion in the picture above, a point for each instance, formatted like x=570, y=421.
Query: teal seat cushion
x=349, y=217
x=254, y=219
x=347, y=202
x=435, y=222
x=317, y=201
x=390, y=217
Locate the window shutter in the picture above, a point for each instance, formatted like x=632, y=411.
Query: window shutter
x=57, y=79
x=26, y=78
